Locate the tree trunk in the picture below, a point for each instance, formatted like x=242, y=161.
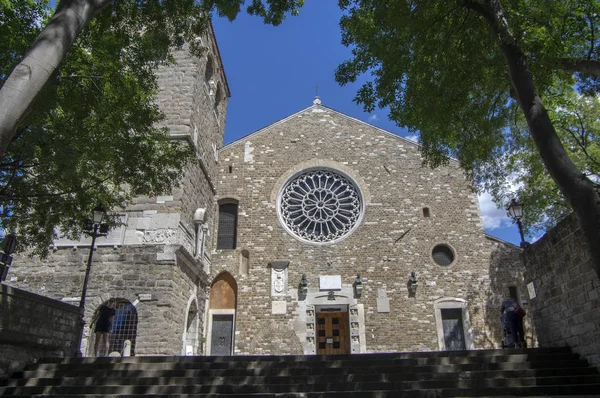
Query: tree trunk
x=41, y=61
x=577, y=188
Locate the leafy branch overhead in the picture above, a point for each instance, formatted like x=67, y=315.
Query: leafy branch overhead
x=498, y=84
x=78, y=114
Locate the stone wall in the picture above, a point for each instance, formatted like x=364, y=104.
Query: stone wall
x=566, y=307
x=160, y=290
x=32, y=327
x=394, y=238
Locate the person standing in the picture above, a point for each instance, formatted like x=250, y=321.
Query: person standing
x=105, y=316
x=510, y=307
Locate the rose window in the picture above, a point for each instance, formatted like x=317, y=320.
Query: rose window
x=320, y=206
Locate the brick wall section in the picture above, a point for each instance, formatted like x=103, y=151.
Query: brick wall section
x=389, y=171
x=32, y=326
x=566, y=310
x=124, y=272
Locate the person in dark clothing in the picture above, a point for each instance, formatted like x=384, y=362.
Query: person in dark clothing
x=515, y=322
x=104, y=318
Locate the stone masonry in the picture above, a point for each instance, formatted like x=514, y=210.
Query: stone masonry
x=32, y=327
x=393, y=239
x=566, y=306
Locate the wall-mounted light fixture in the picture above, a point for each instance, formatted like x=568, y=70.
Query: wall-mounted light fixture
x=358, y=286
x=413, y=283
x=331, y=295
x=303, y=285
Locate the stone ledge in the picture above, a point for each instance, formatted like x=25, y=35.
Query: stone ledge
x=15, y=292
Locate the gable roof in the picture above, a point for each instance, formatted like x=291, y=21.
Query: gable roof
x=312, y=107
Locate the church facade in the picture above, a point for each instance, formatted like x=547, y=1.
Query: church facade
x=318, y=234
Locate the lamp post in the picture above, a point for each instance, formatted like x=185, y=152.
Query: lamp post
x=515, y=211
x=94, y=228
x=8, y=247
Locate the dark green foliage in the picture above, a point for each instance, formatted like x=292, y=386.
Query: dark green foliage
x=90, y=136
x=440, y=71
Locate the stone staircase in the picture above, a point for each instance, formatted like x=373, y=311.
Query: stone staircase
x=517, y=372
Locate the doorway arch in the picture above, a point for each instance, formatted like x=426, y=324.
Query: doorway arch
x=191, y=327
x=221, y=315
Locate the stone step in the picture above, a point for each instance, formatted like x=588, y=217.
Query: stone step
x=353, y=362
x=323, y=369
x=331, y=386
x=352, y=394
x=522, y=372
x=318, y=358
x=475, y=379
x=184, y=377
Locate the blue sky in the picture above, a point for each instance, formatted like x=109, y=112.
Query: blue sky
x=272, y=73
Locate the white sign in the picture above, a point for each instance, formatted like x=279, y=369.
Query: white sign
x=145, y=296
x=189, y=350
x=330, y=282
x=531, y=290
x=279, y=307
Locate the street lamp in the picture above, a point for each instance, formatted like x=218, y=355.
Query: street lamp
x=8, y=247
x=93, y=227
x=515, y=211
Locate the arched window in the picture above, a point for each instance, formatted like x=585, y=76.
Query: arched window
x=227, y=234
x=210, y=69
x=124, y=328
x=190, y=340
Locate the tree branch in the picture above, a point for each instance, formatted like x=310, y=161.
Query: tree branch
x=41, y=61
x=589, y=66
x=579, y=192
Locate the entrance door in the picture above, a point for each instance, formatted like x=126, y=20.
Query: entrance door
x=221, y=336
x=452, y=323
x=332, y=333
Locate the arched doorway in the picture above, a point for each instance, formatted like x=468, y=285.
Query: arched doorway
x=124, y=327
x=190, y=334
x=221, y=313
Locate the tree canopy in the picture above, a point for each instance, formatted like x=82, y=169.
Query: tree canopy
x=88, y=134
x=503, y=86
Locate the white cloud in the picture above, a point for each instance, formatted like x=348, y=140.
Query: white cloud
x=373, y=118
x=493, y=217
x=414, y=137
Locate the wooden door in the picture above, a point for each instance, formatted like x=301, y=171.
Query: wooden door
x=332, y=333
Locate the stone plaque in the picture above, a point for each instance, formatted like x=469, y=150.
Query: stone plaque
x=330, y=282
x=383, y=304
x=278, y=307
x=531, y=290
x=279, y=278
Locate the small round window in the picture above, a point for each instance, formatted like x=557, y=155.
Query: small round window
x=442, y=255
